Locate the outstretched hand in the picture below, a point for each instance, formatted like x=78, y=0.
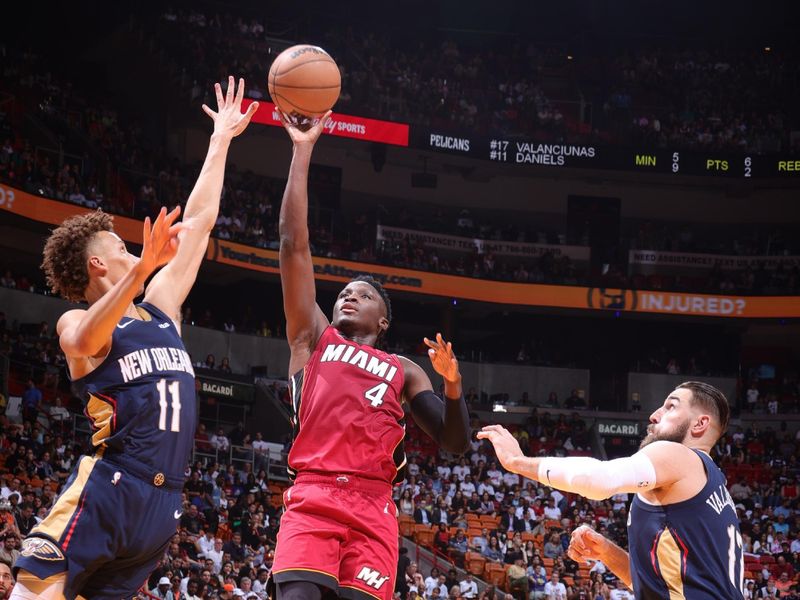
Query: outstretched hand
x=300, y=132
x=506, y=446
x=442, y=358
x=160, y=242
x=228, y=119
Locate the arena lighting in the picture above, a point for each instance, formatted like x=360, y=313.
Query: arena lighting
x=569, y=56
x=767, y=48
x=499, y=408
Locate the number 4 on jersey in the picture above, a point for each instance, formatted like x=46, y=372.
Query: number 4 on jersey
x=375, y=394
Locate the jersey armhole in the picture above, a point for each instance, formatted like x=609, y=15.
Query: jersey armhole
x=403, y=400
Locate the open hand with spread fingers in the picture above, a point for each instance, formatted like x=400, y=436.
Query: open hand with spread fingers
x=442, y=358
x=228, y=118
x=160, y=242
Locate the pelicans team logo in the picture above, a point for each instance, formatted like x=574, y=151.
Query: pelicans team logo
x=41, y=548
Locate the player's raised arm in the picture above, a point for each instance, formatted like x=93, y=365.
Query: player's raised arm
x=169, y=288
x=446, y=422
x=87, y=333
x=654, y=466
x=305, y=321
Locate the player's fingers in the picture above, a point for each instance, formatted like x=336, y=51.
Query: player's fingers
x=173, y=215
x=322, y=122
x=251, y=110
x=220, y=99
x=146, y=235
x=430, y=343
x=159, y=220
x=175, y=229
x=231, y=88
x=240, y=92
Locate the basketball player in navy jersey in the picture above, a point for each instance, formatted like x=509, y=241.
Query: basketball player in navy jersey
x=339, y=532
x=683, y=531
x=120, y=507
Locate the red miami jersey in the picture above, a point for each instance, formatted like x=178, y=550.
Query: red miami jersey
x=348, y=416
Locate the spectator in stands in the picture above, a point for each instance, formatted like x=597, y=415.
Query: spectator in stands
x=440, y=513
x=234, y=547
x=752, y=396
x=458, y=547
x=511, y=522
x=551, y=511
x=555, y=589
x=620, y=592
x=9, y=551
x=59, y=415
x=162, y=590
x=220, y=441
x=201, y=441
x=518, y=583
x=441, y=539
x=260, y=452
x=493, y=550
x=192, y=520
x=574, y=401
x=537, y=578
x=6, y=579
x=553, y=547
x=31, y=398
x=25, y=519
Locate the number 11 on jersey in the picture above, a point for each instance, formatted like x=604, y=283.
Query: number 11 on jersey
x=175, y=394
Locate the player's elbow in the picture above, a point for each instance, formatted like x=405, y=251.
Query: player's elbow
x=458, y=448
x=292, y=242
x=80, y=345
x=458, y=445
x=593, y=486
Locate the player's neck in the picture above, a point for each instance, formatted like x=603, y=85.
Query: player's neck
x=359, y=338
x=699, y=445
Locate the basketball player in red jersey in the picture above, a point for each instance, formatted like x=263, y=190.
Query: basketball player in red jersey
x=339, y=532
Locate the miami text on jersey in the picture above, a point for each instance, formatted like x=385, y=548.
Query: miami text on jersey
x=361, y=359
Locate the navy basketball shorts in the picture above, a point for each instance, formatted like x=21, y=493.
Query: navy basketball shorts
x=107, y=530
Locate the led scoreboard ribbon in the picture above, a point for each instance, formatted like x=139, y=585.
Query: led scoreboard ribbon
x=589, y=156
x=548, y=154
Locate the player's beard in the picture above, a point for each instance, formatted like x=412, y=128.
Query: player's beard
x=676, y=435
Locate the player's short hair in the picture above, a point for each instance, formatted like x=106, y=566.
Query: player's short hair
x=64, y=262
x=711, y=400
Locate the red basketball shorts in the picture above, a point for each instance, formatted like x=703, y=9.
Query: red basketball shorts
x=341, y=533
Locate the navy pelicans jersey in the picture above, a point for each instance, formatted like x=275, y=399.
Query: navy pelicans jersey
x=690, y=549
x=348, y=416
x=141, y=398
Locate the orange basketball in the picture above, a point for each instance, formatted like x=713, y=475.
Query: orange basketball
x=304, y=80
